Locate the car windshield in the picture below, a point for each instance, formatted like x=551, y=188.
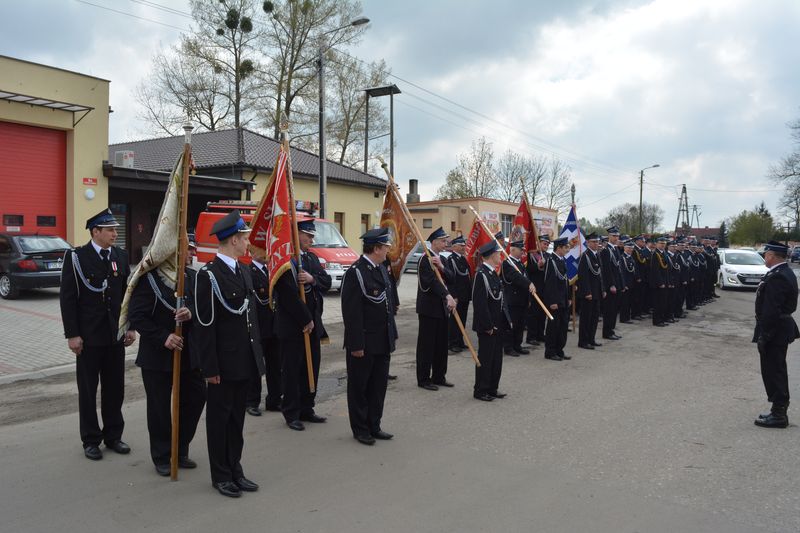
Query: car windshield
x=328, y=236
x=41, y=243
x=743, y=258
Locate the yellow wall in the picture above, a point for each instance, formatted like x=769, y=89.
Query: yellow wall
x=351, y=200
x=87, y=143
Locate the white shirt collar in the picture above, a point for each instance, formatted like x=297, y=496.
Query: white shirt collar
x=371, y=262
x=230, y=261
x=776, y=266
x=97, y=249
x=258, y=265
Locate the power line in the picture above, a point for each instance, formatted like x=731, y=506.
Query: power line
x=610, y=195
x=131, y=15
x=167, y=9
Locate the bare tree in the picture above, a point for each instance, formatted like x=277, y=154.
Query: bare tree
x=510, y=170
x=557, y=184
x=474, y=176
x=787, y=173
x=626, y=218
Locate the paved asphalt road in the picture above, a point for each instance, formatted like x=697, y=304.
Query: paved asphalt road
x=651, y=433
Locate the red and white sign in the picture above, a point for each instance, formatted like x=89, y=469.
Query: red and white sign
x=90, y=182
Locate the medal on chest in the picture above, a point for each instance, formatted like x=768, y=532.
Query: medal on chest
x=114, y=268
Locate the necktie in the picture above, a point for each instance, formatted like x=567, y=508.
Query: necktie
x=104, y=254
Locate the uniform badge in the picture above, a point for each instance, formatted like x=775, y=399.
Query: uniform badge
x=375, y=292
x=114, y=267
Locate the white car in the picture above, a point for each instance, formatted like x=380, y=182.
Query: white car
x=740, y=268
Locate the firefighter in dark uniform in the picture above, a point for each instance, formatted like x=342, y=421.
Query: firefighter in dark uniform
x=659, y=280
x=591, y=293
x=628, y=267
x=270, y=345
x=152, y=312
x=489, y=320
x=227, y=341
x=692, y=292
x=674, y=279
x=292, y=319
x=460, y=287
x=434, y=304
x=396, y=298
x=612, y=281
x=682, y=284
x=370, y=332
x=556, y=296
x=535, y=317
x=517, y=289
x=775, y=329
x=641, y=255
x=93, y=282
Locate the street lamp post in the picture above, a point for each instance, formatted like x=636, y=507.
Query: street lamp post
x=390, y=90
x=641, y=187
x=323, y=176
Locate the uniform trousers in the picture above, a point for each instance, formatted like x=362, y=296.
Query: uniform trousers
x=556, y=334
x=104, y=365
x=589, y=317
x=490, y=355
x=298, y=400
x=431, y=350
x=514, y=335
x=624, y=305
x=680, y=296
x=660, y=299
x=535, y=321
x=610, y=310
x=367, y=378
x=272, y=362
x=158, y=388
x=773, y=371
x=224, y=428
x=456, y=338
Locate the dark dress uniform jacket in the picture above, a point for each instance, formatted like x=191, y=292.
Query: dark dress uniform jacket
x=515, y=283
x=659, y=270
x=556, y=282
x=776, y=300
x=291, y=315
x=628, y=266
x=460, y=285
x=588, y=281
x=231, y=346
x=93, y=316
x=432, y=295
x=609, y=261
x=642, y=258
x=368, y=322
x=536, y=274
x=155, y=322
x=266, y=317
x=487, y=298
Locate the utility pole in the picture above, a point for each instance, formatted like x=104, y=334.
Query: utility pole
x=695, y=215
x=641, y=188
x=572, y=191
x=683, y=209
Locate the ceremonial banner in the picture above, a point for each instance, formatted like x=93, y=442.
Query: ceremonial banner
x=162, y=253
x=476, y=238
x=402, y=235
x=577, y=243
x=524, y=229
x=272, y=225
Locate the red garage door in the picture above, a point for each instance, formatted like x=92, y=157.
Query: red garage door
x=33, y=181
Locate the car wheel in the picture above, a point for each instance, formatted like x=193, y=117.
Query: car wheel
x=8, y=288
x=721, y=282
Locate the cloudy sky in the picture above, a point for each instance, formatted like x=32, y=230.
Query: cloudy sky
x=704, y=88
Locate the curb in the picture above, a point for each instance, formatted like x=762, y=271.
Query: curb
x=49, y=372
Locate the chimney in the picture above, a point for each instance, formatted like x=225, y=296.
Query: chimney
x=413, y=195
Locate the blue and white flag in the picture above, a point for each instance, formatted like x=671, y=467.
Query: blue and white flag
x=577, y=243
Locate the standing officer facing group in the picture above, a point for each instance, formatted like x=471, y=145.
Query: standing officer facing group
x=591, y=293
x=93, y=282
x=460, y=287
x=370, y=332
x=556, y=296
x=517, y=289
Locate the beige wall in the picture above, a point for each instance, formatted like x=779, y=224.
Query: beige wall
x=87, y=143
x=351, y=200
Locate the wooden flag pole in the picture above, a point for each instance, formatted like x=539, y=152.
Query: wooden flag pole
x=574, y=304
x=183, y=245
x=418, y=234
x=486, y=229
x=296, y=242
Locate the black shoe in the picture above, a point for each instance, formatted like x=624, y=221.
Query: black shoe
x=391, y=377
x=533, y=342
x=252, y=410
x=772, y=420
x=163, y=470
x=660, y=325
x=313, y=418
x=512, y=353
x=483, y=397
x=455, y=349
x=92, y=452
x=596, y=344
x=228, y=488
x=296, y=425
x=626, y=322
x=586, y=346
x=368, y=440
x=443, y=383
x=246, y=485
x=553, y=357
x=382, y=435
x=521, y=350
x=693, y=308
x=498, y=395
x=564, y=356
x=273, y=408
x=119, y=447
x=185, y=462
x=671, y=320
x=509, y=351
x=428, y=386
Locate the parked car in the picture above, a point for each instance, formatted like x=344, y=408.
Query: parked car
x=29, y=261
x=740, y=268
x=413, y=258
x=795, y=255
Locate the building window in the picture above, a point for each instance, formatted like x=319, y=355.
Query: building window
x=338, y=221
x=506, y=223
x=13, y=220
x=427, y=222
x=453, y=225
x=46, y=221
x=364, y=223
